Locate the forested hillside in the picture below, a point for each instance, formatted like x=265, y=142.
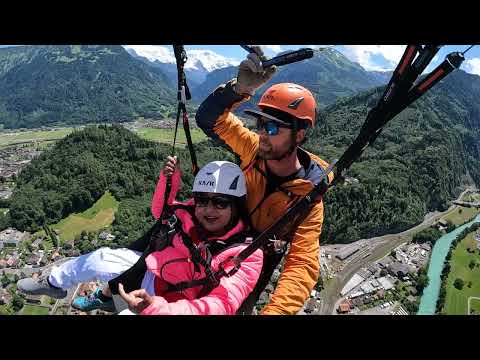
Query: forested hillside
x=76, y=84
x=417, y=164
x=77, y=171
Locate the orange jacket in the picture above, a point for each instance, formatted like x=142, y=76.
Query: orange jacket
x=301, y=268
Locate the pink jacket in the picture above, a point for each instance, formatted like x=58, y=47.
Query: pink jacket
x=173, y=265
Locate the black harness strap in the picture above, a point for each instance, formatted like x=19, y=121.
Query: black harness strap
x=183, y=96
x=394, y=97
x=210, y=281
x=278, y=188
x=399, y=83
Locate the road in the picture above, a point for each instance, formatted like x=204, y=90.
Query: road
x=379, y=247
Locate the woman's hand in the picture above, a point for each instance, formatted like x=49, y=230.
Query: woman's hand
x=137, y=300
x=170, y=165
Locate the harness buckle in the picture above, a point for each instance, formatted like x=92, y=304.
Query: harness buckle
x=171, y=222
x=278, y=246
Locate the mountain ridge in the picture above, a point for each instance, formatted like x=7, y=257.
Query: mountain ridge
x=46, y=85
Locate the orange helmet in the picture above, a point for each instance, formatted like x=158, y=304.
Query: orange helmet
x=289, y=98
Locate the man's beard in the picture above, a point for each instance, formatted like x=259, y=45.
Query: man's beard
x=275, y=155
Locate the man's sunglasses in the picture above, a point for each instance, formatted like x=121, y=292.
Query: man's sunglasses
x=220, y=202
x=271, y=127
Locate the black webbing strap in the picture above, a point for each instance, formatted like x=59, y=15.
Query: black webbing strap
x=451, y=62
x=265, y=197
x=400, y=82
x=197, y=260
x=183, y=96
x=214, y=247
x=409, y=95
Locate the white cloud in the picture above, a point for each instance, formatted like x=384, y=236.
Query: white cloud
x=472, y=66
x=273, y=48
x=154, y=52
x=365, y=55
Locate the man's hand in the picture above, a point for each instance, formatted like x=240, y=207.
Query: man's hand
x=137, y=300
x=170, y=165
x=324, y=185
x=251, y=74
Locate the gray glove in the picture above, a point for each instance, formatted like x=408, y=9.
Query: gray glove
x=251, y=74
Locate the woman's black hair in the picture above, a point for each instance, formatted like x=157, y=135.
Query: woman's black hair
x=241, y=210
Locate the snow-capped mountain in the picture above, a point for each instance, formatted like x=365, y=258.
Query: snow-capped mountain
x=198, y=65
x=208, y=60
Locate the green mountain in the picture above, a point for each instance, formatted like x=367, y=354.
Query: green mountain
x=421, y=160
x=329, y=75
x=45, y=85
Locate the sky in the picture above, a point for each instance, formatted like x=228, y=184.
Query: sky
x=370, y=57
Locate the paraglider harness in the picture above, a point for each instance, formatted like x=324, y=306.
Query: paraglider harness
x=162, y=236
x=399, y=93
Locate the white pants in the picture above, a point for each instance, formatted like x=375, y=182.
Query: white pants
x=103, y=264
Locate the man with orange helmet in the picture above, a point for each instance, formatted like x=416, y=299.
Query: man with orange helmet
x=277, y=171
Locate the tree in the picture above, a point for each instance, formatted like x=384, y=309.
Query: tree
x=428, y=235
x=458, y=283
x=4, y=280
x=91, y=236
x=28, y=245
x=422, y=282
x=6, y=310
x=17, y=302
x=471, y=265
x=449, y=255
x=319, y=285
x=450, y=226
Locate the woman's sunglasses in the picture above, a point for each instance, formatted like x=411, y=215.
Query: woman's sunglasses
x=271, y=127
x=220, y=202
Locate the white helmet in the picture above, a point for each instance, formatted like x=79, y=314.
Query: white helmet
x=221, y=177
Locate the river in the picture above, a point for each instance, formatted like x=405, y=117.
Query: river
x=428, y=302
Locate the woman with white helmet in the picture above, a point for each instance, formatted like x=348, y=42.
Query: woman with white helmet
x=186, y=247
